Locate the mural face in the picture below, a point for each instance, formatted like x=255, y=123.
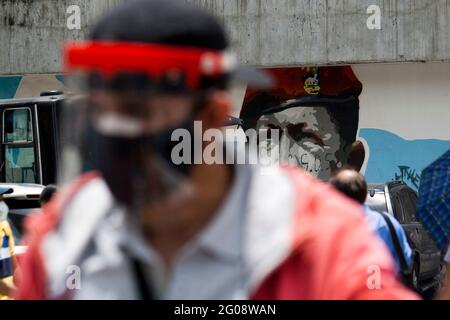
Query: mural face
x=385, y=131
x=315, y=113
x=308, y=137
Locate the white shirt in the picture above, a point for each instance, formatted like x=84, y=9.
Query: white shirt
x=216, y=254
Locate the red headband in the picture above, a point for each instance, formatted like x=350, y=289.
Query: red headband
x=154, y=59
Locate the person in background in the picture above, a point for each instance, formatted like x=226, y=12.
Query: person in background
x=7, y=259
x=47, y=194
x=352, y=183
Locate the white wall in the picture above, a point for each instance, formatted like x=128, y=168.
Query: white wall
x=410, y=100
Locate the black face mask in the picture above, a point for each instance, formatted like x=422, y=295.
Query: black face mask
x=123, y=163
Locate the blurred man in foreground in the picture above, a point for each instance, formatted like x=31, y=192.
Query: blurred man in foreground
x=147, y=227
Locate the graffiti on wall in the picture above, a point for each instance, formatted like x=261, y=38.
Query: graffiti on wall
x=317, y=112
x=409, y=175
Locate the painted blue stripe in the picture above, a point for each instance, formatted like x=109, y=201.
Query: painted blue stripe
x=61, y=78
x=9, y=86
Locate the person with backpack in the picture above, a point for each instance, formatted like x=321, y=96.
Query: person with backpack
x=352, y=184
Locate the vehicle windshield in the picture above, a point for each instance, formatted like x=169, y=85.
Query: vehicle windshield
x=19, y=161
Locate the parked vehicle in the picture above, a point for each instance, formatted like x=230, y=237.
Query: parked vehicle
x=23, y=201
x=399, y=200
x=29, y=148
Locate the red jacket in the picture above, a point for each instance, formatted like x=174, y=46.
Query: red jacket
x=323, y=250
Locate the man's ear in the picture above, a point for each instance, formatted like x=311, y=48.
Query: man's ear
x=356, y=155
x=216, y=111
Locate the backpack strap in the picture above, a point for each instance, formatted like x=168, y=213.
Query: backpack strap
x=398, y=249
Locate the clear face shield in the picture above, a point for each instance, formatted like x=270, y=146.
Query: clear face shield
x=123, y=113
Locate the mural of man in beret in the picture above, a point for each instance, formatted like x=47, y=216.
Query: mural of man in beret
x=315, y=112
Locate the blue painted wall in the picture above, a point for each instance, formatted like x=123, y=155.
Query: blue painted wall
x=394, y=158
